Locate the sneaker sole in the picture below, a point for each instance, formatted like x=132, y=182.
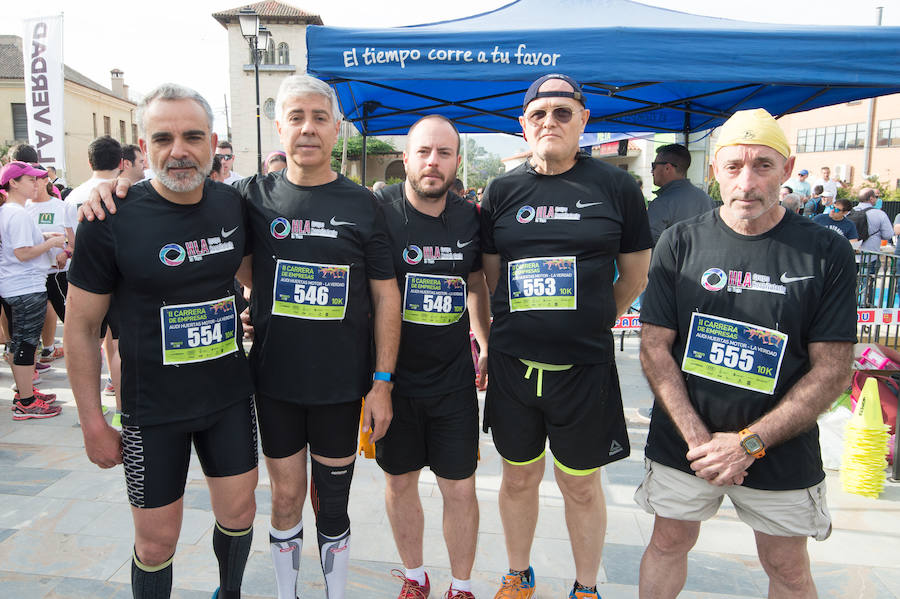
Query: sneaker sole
x=20, y=416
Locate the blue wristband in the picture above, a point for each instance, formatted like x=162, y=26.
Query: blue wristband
x=383, y=376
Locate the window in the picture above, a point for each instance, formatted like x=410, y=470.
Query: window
x=122, y=132
x=20, y=122
x=833, y=137
x=106, y=125
x=284, y=54
x=134, y=135
x=889, y=134
x=269, y=54
x=94, y=117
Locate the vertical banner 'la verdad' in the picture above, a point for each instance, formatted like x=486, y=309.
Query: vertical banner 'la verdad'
x=42, y=53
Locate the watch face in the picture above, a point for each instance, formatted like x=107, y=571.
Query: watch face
x=752, y=444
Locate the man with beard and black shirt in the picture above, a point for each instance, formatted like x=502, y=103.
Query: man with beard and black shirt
x=748, y=331
x=555, y=231
x=323, y=281
x=168, y=258
x=437, y=255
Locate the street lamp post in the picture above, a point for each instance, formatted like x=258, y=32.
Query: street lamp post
x=258, y=39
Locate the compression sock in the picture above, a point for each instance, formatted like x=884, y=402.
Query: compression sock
x=285, y=546
x=417, y=574
x=232, y=547
x=523, y=574
x=580, y=588
x=460, y=585
x=26, y=401
x=151, y=582
x=334, y=553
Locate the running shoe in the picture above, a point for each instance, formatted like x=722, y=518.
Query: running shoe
x=116, y=420
x=47, y=398
x=109, y=389
x=644, y=415
x=40, y=366
x=48, y=355
x=516, y=586
x=454, y=594
x=412, y=589
x=36, y=409
x=584, y=595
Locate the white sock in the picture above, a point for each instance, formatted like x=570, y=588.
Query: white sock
x=417, y=574
x=334, y=553
x=285, y=546
x=460, y=585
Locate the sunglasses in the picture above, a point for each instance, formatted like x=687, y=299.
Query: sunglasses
x=561, y=114
x=653, y=165
x=225, y=156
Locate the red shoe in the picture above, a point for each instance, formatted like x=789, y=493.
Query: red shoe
x=454, y=594
x=40, y=366
x=36, y=409
x=412, y=589
x=47, y=398
x=52, y=355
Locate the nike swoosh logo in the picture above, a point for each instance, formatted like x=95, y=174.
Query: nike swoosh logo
x=580, y=204
x=338, y=223
x=787, y=279
x=461, y=245
x=226, y=234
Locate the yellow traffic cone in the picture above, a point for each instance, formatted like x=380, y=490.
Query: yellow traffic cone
x=865, y=445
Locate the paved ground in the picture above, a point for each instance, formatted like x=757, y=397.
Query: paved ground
x=65, y=526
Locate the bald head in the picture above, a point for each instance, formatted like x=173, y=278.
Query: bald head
x=867, y=195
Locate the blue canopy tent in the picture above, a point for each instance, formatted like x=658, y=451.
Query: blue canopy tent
x=642, y=68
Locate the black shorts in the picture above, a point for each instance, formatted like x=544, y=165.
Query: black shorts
x=440, y=432
x=111, y=322
x=330, y=430
x=156, y=458
x=57, y=288
x=580, y=410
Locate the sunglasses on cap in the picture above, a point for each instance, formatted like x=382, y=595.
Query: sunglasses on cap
x=561, y=114
x=225, y=156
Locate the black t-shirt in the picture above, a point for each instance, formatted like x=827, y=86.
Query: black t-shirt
x=170, y=267
x=313, y=337
x=566, y=231
x=798, y=279
x=433, y=257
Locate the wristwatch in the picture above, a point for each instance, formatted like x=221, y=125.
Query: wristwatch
x=752, y=444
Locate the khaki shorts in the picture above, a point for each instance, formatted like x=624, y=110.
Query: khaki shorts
x=671, y=493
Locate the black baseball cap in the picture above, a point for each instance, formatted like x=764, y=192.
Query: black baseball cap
x=533, y=94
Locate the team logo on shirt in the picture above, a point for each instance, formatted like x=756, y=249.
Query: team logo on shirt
x=173, y=254
x=714, y=279
x=45, y=218
x=741, y=280
x=298, y=228
x=413, y=254
x=167, y=251
x=543, y=214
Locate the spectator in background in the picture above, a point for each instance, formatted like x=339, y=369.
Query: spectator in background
x=459, y=188
x=820, y=203
x=133, y=163
x=837, y=220
x=792, y=202
x=23, y=153
x=56, y=181
x=873, y=226
x=677, y=198
x=785, y=190
x=277, y=161
x=827, y=183
x=800, y=185
x=378, y=185
x=216, y=172
x=226, y=154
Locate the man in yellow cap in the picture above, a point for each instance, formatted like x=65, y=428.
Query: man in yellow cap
x=748, y=329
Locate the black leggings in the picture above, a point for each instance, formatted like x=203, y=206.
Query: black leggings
x=57, y=288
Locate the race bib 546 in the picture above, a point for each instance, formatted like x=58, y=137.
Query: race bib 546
x=309, y=290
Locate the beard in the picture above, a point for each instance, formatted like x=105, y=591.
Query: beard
x=183, y=183
x=433, y=193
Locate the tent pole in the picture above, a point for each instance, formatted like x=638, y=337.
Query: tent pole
x=363, y=167
x=870, y=125
x=687, y=125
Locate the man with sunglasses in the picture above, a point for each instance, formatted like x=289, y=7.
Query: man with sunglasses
x=677, y=198
x=555, y=231
x=837, y=220
x=225, y=153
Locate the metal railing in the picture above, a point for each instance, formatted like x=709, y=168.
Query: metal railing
x=878, y=298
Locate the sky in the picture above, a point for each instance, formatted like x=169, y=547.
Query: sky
x=174, y=40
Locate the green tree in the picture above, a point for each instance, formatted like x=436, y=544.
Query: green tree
x=354, y=149
x=483, y=165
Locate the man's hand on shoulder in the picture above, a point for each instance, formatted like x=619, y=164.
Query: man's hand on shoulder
x=101, y=196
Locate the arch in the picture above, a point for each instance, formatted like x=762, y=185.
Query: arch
x=284, y=53
x=395, y=170
x=269, y=54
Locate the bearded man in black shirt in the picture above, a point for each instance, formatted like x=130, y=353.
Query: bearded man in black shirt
x=748, y=326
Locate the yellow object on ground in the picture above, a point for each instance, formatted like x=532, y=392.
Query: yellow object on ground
x=865, y=446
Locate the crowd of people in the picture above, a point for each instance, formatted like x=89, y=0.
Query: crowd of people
x=360, y=308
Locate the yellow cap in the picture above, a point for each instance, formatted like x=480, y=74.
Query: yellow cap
x=757, y=126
